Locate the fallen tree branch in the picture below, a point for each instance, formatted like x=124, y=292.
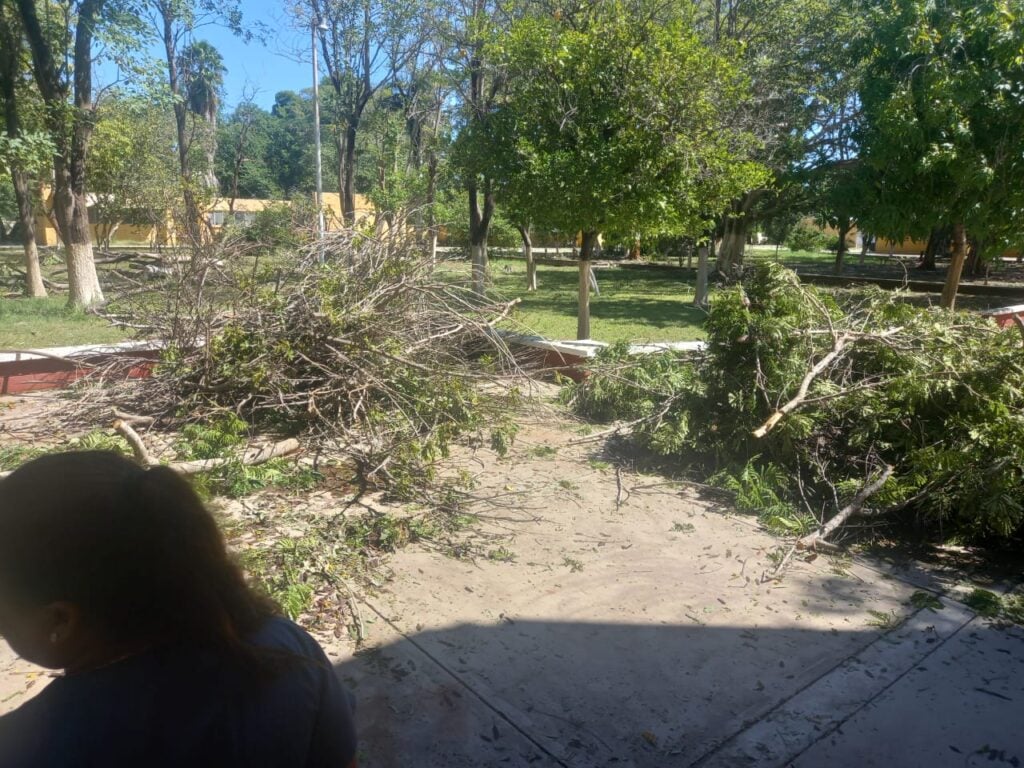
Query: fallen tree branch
x=805, y=385
x=253, y=456
x=133, y=418
x=813, y=539
x=142, y=454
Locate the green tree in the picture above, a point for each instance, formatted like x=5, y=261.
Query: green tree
x=202, y=71
x=131, y=165
x=23, y=152
x=192, y=82
x=243, y=143
x=62, y=59
x=613, y=124
x=790, y=51
x=942, y=138
x=364, y=43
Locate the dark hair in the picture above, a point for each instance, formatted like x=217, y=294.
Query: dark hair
x=134, y=548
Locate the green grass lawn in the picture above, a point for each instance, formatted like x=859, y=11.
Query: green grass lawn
x=36, y=323
x=634, y=304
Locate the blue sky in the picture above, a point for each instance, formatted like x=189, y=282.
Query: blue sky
x=264, y=67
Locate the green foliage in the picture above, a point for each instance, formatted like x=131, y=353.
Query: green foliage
x=613, y=123
x=939, y=118
x=282, y=570
x=283, y=225
x=760, y=489
x=13, y=456
x=223, y=437
x=984, y=603
x=922, y=600
x=935, y=395
x=804, y=236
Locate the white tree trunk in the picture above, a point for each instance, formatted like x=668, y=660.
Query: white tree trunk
x=701, y=297
x=33, y=275
x=583, y=316
x=433, y=248
x=478, y=257
x=73, y=219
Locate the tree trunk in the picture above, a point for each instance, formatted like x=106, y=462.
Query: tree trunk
x=531, y=265
x=936, y=239
x=431, y=200
x=634, y=251
x=33, y=276
x=479, y=228
x=844, y=229
x=973, y=264
x=734, y=243
x=349, y=174
x=587, y=244
x=10, y=74
x=193, y=215
x=73, y=222
x=210, y=147
x=701, y=297
x=956, y=266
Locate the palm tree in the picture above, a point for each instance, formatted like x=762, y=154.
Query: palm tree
x=202, y=70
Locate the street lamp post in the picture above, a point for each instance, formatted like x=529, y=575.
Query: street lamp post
x=316, y=26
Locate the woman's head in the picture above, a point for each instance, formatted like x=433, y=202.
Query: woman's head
x=99, y=557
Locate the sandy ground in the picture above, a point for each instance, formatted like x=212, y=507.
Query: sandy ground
x=623, y=620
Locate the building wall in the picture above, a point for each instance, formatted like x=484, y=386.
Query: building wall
x=216, y=215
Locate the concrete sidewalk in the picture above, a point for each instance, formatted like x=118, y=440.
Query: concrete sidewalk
x=645, y=635
x=943, y=689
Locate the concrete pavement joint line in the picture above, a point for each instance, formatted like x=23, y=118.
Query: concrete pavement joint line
x=525, y=734
x=903, y=674
x=779, y=711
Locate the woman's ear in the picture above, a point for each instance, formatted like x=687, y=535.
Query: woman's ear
x=51, y=635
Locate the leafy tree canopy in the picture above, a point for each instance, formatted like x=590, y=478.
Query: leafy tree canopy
x=943, y=124
x=613, y=124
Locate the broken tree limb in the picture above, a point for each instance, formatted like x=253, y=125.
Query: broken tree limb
x=854, y=507
x=253, y=456
x=142, y=454
x=805, y=385
x=133, y=418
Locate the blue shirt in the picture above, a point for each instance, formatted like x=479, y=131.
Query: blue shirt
x=184, y=707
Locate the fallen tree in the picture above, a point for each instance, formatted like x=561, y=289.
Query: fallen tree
x=817, y=414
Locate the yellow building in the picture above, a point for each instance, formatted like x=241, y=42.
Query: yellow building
x=242, y=212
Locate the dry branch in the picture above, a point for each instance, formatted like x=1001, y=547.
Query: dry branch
x=142, y=454
x=805, y=385
x=851, y=509
x=253, y=456
x=133, y=418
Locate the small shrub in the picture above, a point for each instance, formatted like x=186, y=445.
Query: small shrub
x=805, y=236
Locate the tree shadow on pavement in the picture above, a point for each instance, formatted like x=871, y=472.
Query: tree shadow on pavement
x=536, y=693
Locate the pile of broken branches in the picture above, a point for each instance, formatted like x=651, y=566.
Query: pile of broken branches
x=355, y=344
x=818, y=411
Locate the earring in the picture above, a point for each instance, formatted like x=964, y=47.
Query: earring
x=54, y=637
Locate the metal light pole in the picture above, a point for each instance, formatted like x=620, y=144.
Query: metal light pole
x=318, y=25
